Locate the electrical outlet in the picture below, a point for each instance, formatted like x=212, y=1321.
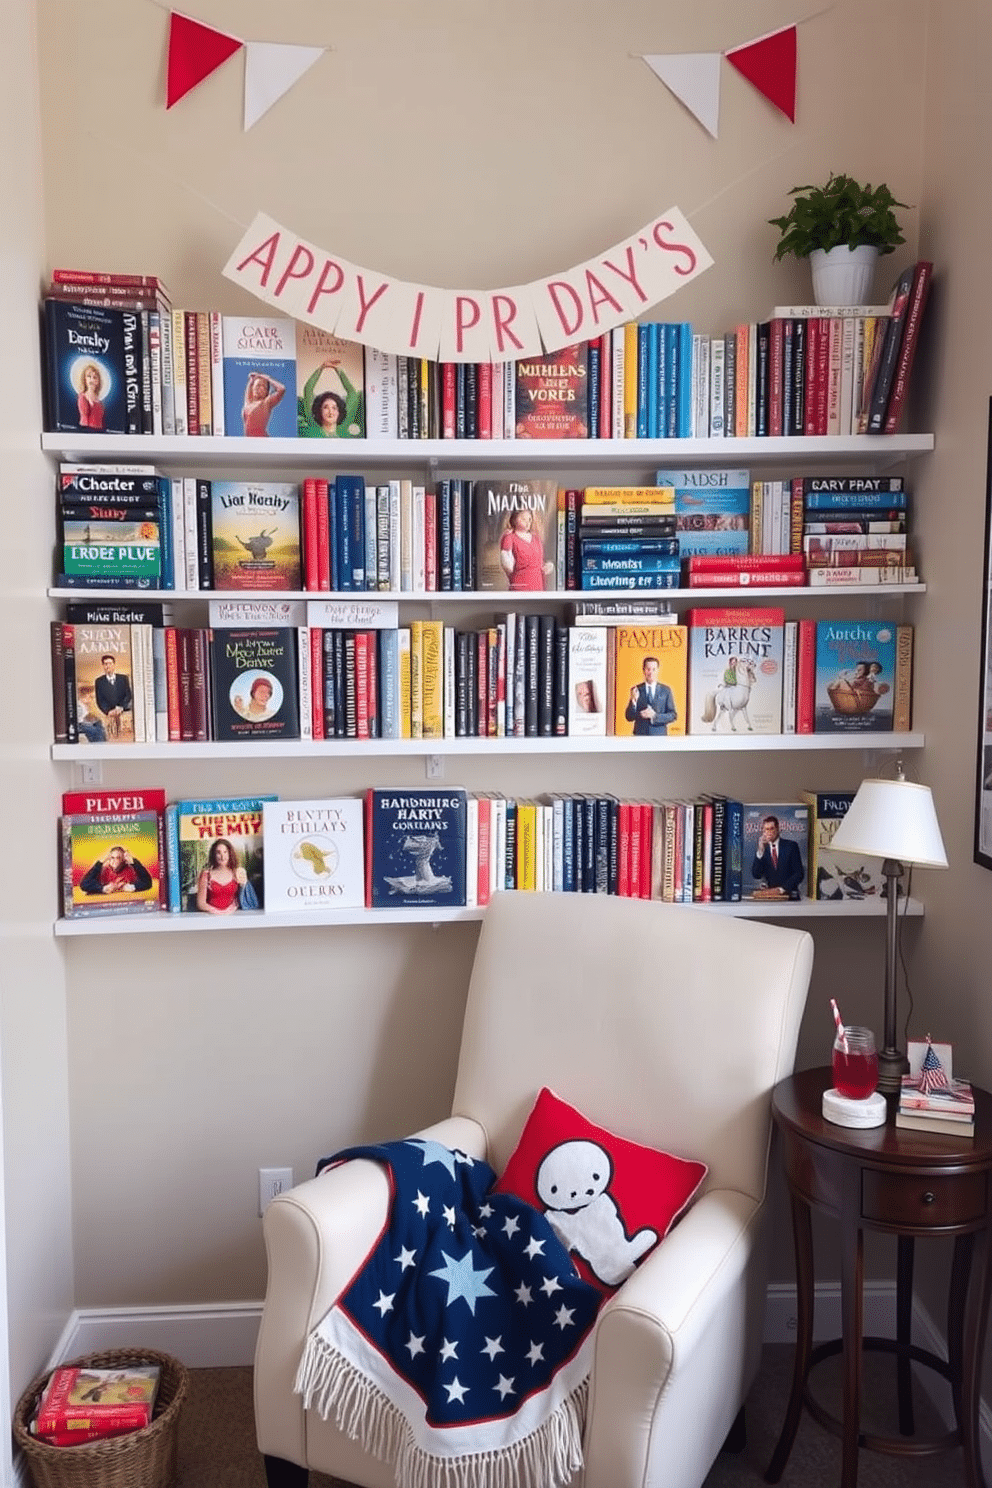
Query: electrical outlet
x=435, y=766
x=89, y=772
x=272, y=1181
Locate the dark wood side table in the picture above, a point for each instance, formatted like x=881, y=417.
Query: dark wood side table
x=904, y=1183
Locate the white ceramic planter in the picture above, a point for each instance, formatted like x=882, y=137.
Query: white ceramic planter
x=842, y=276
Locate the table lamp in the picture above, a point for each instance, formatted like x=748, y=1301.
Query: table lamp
x=893, y=820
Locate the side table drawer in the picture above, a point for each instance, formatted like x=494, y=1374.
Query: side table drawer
x=897, y=1198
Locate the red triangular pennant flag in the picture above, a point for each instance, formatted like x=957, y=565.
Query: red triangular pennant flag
x=770, y=64
x=195, y=52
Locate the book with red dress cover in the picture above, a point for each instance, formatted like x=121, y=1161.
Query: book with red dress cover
x=192, y=828
x=85, y=375
x=552, y=394
x=515, y=534
x=259, y=376
x=78, y=1399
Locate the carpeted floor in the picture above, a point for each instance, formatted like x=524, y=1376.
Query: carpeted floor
x=217, y=1438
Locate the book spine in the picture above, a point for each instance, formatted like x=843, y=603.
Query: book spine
x=218, y=417
x=205, y=534
x=907, y=349
x=131, y=326
x=805, y=677
x=902, y=702
x=204, y=372
x=192, y=373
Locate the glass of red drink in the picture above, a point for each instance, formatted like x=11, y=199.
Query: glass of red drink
x=855, y=1063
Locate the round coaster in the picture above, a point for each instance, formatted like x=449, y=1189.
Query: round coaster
x=842, y=1111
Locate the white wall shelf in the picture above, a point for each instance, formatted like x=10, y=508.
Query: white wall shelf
x=152, y=924
x=418, y=748
x=501, y=598
x=621, y=454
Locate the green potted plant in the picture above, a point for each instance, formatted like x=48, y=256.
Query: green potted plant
x=842, y=228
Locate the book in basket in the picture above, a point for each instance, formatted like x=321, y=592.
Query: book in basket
x=107, y=1401
x=314, y=854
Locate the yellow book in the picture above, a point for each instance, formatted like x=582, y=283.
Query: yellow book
x=743, y=379
x=431, y=678
x=624, y=495
x=630, y=380
x=650, y=673
x=527, y=845
x=404, y=660
x=416, y=679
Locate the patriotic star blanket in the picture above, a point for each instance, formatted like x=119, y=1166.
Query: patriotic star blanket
x=460, y=1352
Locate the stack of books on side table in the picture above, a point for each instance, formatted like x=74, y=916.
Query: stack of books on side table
x=86, y=1404
x=930, y=1098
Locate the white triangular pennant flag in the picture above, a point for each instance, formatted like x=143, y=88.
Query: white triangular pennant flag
x=271, y=69
x=694, y=78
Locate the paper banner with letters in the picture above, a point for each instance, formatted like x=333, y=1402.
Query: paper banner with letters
x=309, y=283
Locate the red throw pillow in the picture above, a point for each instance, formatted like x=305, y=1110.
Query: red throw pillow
x=609, y=1200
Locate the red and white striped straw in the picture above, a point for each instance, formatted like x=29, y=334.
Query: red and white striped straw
x=840, y=1027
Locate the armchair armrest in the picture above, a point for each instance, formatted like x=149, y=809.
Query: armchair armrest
x=316, y=1237
x=671, y=1358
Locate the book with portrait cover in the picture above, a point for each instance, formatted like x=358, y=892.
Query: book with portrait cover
x=415, y=847
x=255, y=538
x=792, y=818
x=111, y=863
x=855, y=676
x=192, y=827
x=552, y=394
x=259, y=356
x=735, y=670
x=655, y=656
x=515, y=533
x=326, y=363
x=254, y=683
x=314, y=854
x=86, y=385
x=108, y=674
x=832, y=874
x=588, y=702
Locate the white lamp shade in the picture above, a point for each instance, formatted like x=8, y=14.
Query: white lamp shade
x=892, y=819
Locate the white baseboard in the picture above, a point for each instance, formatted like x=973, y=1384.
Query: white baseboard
x=210, y=1335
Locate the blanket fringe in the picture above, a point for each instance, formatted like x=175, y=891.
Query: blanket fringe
x=547, y=1458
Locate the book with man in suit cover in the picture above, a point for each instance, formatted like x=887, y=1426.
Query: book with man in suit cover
x=515, y=534
x=415, y=847
x=255, y=529
x=255, y=683
x=779, y=830
x=654, y=656
x=330, y=385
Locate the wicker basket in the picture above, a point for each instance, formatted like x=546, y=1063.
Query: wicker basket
x=141, y=1459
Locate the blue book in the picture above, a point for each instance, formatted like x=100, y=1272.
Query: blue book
x=350, y=526
x=864, y=494
x=712, y=509
x=643, y=337
x=458, y=534
x=629, y=580
x=733, y=856
x=416, y=847
x=792, y=819
x=193, y=826
x=635, y=547
x=88, y=388
x=594, y=363
x=389, y=683
x=683, y=380
x=653, y=391
x=259, y=365
x=568, y=881
x=166, y=538
x=855, y=676
x=669, y=428
x=333, y=538
x=631, y=563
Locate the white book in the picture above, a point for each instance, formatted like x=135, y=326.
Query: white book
x=161, y=684
x=395, y=545
x=701, y=374
x=789, y=644
x=263, y=613
x=471, y=852
x=499, y=410
x=381, y=394
x=618, y=360
x=848, y=340
x=718, y=366
x=217, y=373
x=304, y=681
x=509, y=400
x=501, y=679
x=587, y=700
x=406, y=536
x=168, y=370
x=687, y=850
x=418, y=547
x=511, y=652
x=405, y=680
x=314, y=854
x=813, y=312
x=538, y=848
x=178, y=513
x=371, y=537
x=179, y=372
x=858, y=375
x=352, y=614
x=155, y=364
x=557, y=844
x=382, y=553
x=448, y=661
x=138, y=722
x=191, y=532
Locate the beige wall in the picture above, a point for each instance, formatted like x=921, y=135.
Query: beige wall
x=461, y=146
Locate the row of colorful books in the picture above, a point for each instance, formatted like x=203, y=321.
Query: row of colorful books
x=131, y=852
x=129, y=527
x=120, y=359
x=125, y=674
x=83, y=1403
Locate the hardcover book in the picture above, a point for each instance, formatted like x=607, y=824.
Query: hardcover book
x=832, y=874
x=256, y=535
x=254, y=682
x=86, y=382
x=775, y=849
x=588, y=700
x=106, y=679
x=552, y=394
x=106, y=542
x=259, y=354
x=110, y=863
x=78, y=1399
x=855, y=676
x=415, y=847
x=330, y=385
x=735, y=670
x=214, y=854
x=650, y=680
x=314, y=854
x=712, y=507
x=515, y=534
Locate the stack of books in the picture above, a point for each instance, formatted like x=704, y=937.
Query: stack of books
x=87, y=1404
x=931, y=1099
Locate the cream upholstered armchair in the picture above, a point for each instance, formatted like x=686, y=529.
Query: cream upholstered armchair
x=667, y=1024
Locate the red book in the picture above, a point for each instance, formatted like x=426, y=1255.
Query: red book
x=806, y=677
x=821, y=378
x=323, y=535
x=111, y=803
x=605, y=430
x=372, y=687
x=703, y=562
x=647, y=847
x=76, y=1437
x=625, y=849
x=317, y=681
x=311, y=577
x=362, y=685
x=744, y=578
x=430, y=540
x=448, y=399
x=200, y=689
x=907, y=350
x=184, y=670
x=87, y=276
x=482, y=683
x=484, y=410
x=485, y=850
